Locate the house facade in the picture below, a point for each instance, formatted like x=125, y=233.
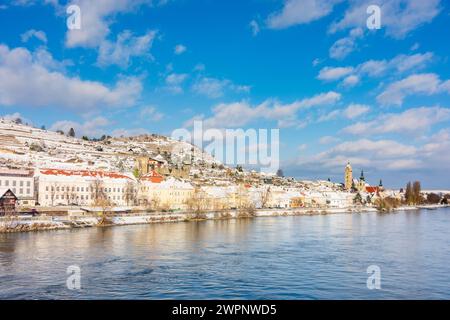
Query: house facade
x=8, y=202
x=56, y=187
x=21, y=183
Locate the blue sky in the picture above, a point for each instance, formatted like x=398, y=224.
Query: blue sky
x=336, y=90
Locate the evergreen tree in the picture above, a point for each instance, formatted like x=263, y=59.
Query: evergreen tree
x=416, y=189
x=408, y=193
x=357, y=199
x=280, y=173
x=71, y=132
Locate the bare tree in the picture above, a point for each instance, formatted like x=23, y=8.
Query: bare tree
x=97, y=192
x=130, y=193
x=197, y=204
x=264, y=196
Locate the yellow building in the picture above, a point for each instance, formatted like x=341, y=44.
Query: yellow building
x=348, y=177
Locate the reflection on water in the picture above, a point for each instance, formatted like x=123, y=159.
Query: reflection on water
x=311, y=257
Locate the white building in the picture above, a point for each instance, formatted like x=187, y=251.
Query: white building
x=55, y=187
x=170, y=193
x=21, y=183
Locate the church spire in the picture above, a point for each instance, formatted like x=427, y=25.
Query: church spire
x=362, y=175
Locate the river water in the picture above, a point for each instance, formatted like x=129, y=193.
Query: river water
x=301, y=257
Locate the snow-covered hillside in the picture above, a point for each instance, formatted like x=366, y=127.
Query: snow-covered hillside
x=25, y=146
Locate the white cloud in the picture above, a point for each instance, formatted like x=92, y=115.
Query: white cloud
x=239, y=114
x=38, y=34
x=14, y=116
x=411, y=121
x=174, y=82
x=350, y=81
x=90, y=128
x=26, y=81
x=328, y=140
x=329, y=73
x=215, y=88
x=351, y=112
x=124, y=48
x=380, y=154
x=179, y=49
x=296, y=12
x=151, y=113
x=376, y=68
x=355, y=110
x=121, y=132
x=96, y=18
x=255, y=27
x=395, y=93
x=343, y=47
x=398, y=17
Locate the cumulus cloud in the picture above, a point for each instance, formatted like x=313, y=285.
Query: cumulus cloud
x=26, y=81
x=179, y=49
x=14, y=116
x=355, y=110
x=124, y=48
x=295, y=12
x=426, y=83
x=239, y=114
x=330, y=73
x=351, y=112
x=400, y=64
x=91, y=128
x=416, y=120
x=151, y=113
x=328, y=140
x=385, y=155
x=38, y=34
x=399, y=17
x=343, y=47
x=215, y=88
x=96, y=18
x=122, y=132
x=383, y=158
x=174, y=82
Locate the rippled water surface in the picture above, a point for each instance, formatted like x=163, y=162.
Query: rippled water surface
x=304, y=257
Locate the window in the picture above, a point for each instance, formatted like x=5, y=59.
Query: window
x=14, y=183
x=21, y=183
x=7, y=183
x=28, y=184
x=21, y=190
x=46, y=188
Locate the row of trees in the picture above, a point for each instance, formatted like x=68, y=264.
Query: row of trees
x=412, y=193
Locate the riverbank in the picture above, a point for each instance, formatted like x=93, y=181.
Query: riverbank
x=50, y=222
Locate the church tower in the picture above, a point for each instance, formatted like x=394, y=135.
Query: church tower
x=362, y=182
x=348, y=177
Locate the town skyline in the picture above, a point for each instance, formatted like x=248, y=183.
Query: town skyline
x=337, y=91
